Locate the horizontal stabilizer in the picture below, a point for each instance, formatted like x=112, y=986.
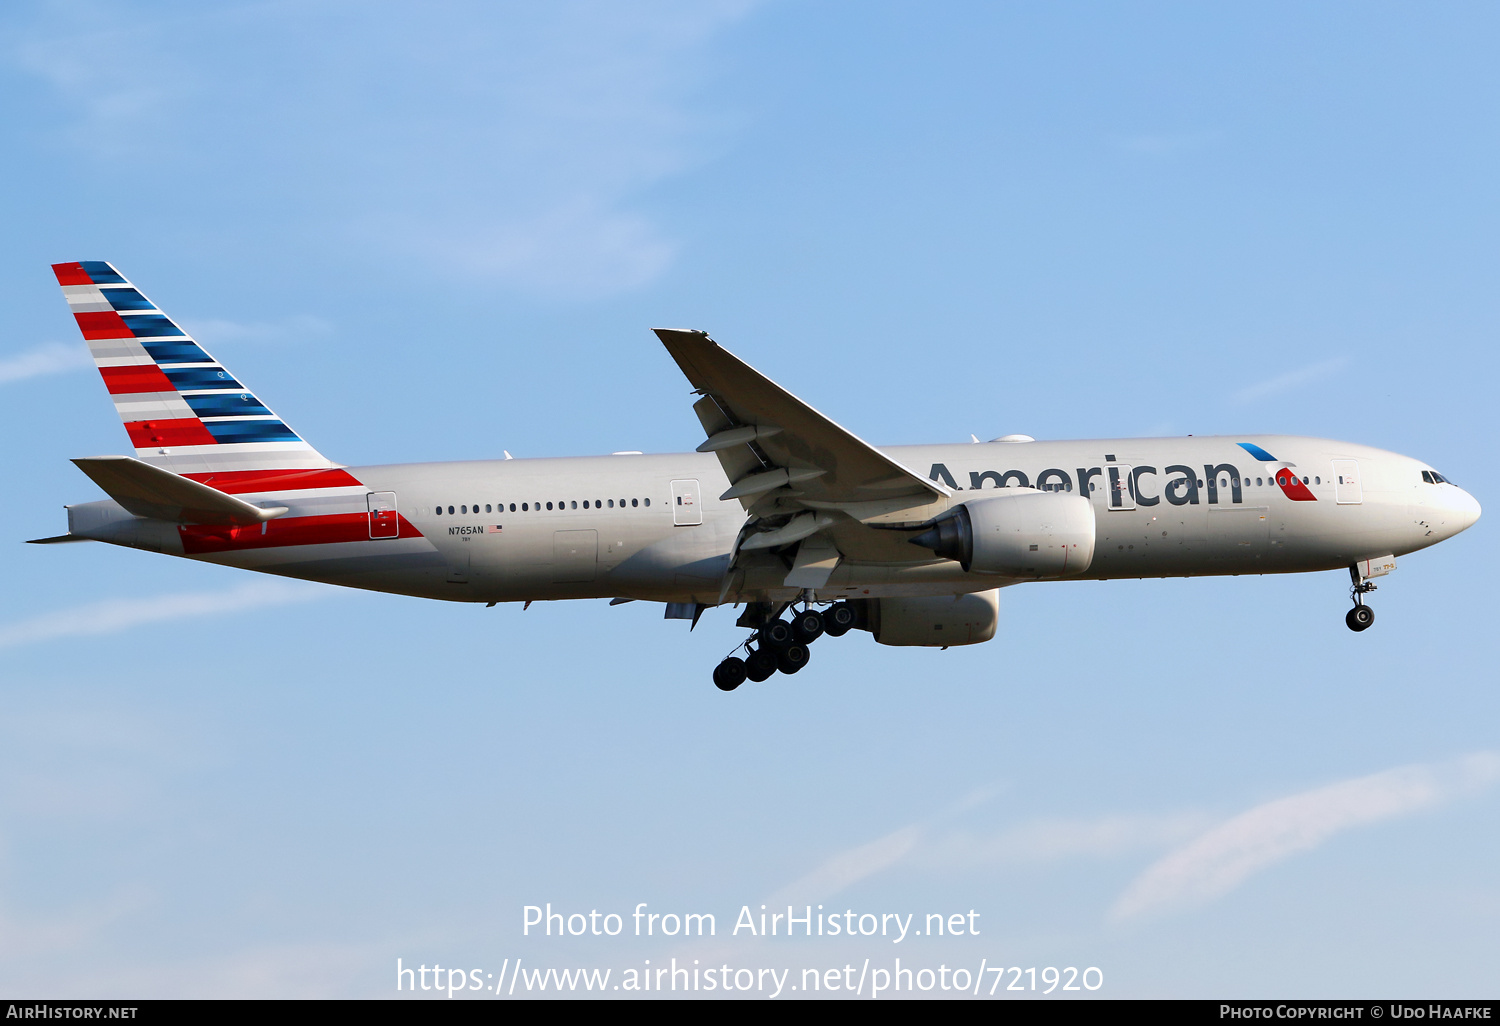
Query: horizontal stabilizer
x=57, y=539
x=149, y=491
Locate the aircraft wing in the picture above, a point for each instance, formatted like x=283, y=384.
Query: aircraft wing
x=777, y=450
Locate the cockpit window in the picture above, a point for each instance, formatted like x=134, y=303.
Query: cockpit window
x=1433, y=477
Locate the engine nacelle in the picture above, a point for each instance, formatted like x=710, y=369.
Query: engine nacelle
x=1019, y=533
x=936, y=621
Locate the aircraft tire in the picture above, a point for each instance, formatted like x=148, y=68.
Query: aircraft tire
x=838, y=619
x=807, y=626
x=792, y=658
x=729, y=674
x=761, y=665
x=1360, y=618
x=776, y=635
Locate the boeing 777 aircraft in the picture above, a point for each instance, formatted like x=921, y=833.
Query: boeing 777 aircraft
x=778, y=509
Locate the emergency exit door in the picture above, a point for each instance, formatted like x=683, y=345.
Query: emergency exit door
x=1118, y=487
x=384, y=521
x=1346, y=488
x=686, y=511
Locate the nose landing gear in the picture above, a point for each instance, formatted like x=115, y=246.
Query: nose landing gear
x=1361, y=616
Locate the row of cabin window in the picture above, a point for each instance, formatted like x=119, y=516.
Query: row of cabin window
x=527, y=507
x=1226, y=482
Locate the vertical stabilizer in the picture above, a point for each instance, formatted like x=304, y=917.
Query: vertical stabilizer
x=183, y=411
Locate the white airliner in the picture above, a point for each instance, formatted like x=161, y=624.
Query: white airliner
x=779, y=509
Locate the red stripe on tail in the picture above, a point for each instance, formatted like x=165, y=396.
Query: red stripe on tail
x=325, y=530
x=237, y=482
x=146, y=434
x=141, y=377
x=103, y=325
x=71, y=274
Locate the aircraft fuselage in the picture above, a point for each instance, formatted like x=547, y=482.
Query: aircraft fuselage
x=653, y=526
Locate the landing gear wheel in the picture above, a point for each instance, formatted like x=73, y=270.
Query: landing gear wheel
x=807, y=626
x=838, y=620
x=760, y=665
x=1360, y=618
x=792, y=658
x=777, y=634
x=729, y=674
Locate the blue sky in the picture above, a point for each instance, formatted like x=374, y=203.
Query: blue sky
x=427, y=232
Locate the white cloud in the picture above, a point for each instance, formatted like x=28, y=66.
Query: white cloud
x=1289, y=381
x=1048, y=840
x=1224, y=857
x=120, y=614
x=298, y=327
x=927, y=844
x=49, y=358
x=506, y=143
x=849, y=867
x=67, y=930
x=311, y=969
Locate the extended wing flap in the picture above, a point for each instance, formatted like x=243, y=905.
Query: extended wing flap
x=788, y=434
x=149, y=491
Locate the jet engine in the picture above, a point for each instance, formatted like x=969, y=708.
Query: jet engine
x=936, y=621
x=1019, y=533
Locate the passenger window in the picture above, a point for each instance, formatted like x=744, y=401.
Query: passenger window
x=1317, y=480
x=635, y=502
x=611, y=503
x=440, y=511
x=450, y=511
x=549, y=505
x=463, y=509
x=648, y=502
x=524, y=507
x=575, y=503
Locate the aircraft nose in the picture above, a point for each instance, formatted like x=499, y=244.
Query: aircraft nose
x=1462, y=509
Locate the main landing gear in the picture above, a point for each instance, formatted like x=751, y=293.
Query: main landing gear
x=782, y=645
x=1361, y=616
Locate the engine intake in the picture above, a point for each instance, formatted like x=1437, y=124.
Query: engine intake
x=1024, y=533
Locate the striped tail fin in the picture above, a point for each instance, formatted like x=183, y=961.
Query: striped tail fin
x=183, y=411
